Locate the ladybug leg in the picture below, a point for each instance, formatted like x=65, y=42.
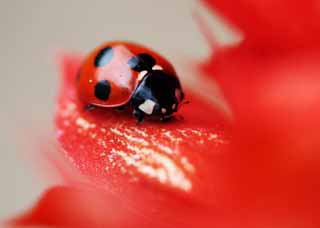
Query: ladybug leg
x=89, y=107
x=139, y=115
x=120, y=108
x=166, y=118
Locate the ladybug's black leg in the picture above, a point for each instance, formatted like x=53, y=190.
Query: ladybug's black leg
x=89, y=107
x=139, y=115
x=166, y=118
x=120, y=108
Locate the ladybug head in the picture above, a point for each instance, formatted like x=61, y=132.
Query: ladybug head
x=159, y=93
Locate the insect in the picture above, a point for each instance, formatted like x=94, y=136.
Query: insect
x=123, y=74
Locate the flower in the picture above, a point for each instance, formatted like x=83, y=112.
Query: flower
x=259, y=170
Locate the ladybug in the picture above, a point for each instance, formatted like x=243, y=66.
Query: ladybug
x=123, y=74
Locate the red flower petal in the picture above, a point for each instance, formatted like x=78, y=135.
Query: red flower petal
x=157, y=169
x=184, y=173
x=60, y=206
x=84, y=206
x=275, y=148
x=110, y=147
x=272, y=85
x=266, y=177
x=279, y=24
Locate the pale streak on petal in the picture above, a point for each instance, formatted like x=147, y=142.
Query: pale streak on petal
x=136, y=140
x=156, y=165
x=149, y=157
x=84, y=124
x=141, y=132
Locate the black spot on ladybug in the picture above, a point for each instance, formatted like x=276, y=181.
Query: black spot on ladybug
x=103, y=57
x=134, y=63
x=141, y=62
x=102, y=90
x=147, y=60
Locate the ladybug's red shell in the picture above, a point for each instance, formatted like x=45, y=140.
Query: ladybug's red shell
x=110, y=63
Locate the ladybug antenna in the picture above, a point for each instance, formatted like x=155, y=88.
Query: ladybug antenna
x=184, y=102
